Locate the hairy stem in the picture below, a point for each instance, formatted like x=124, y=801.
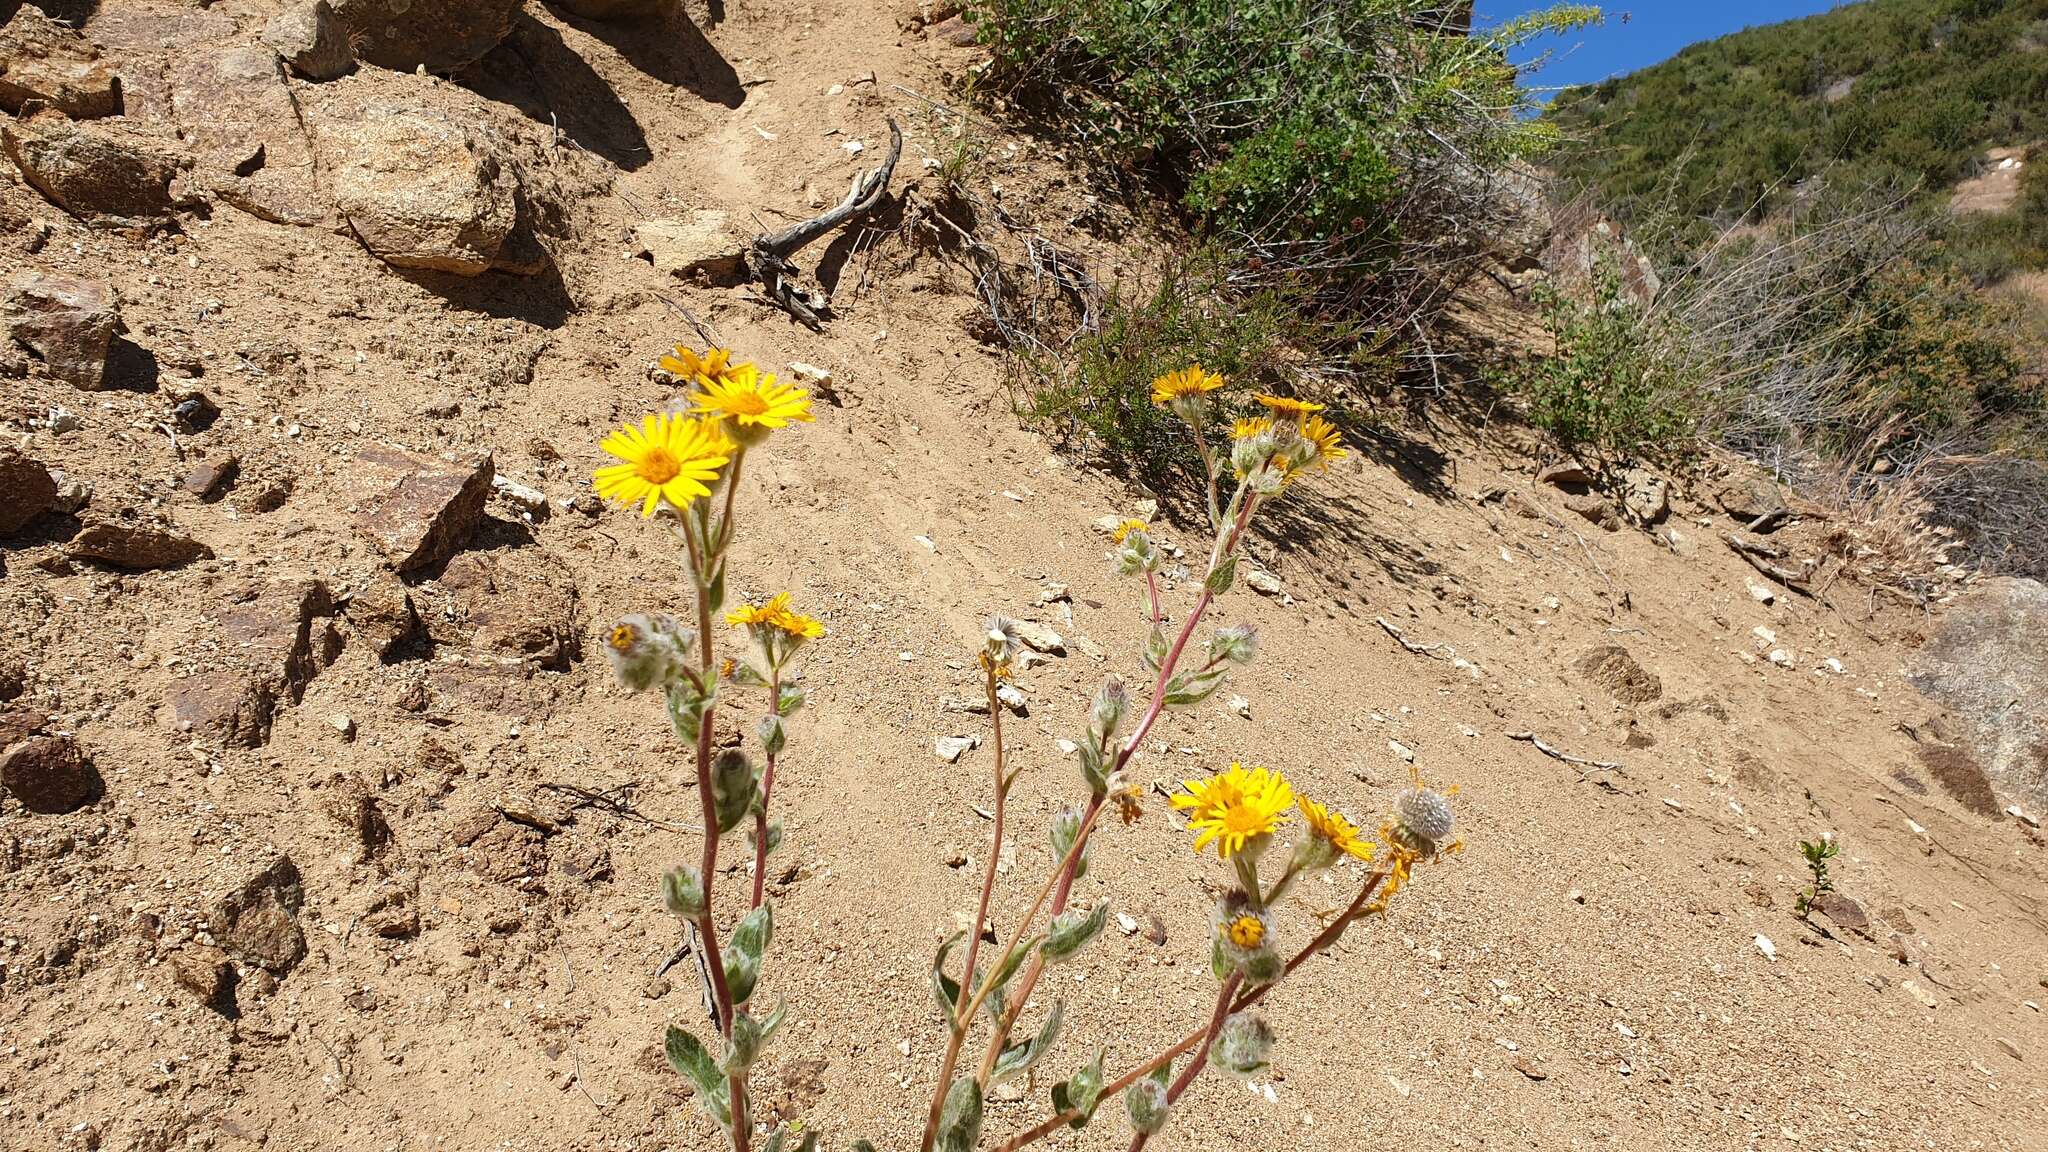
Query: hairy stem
x=1201, y=1060
x=767, y=789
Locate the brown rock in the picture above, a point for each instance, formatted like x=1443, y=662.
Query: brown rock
x=1612, y=668
x=257, y=923
x=352, y=806
x=209, y=479
x=46, y=64
x=1595, y=508
x=704, y=241
x=618, y=10
x=1529, y=1068
x=1565, y=474
x=427, y=509
x=1746, y=498
x=1843, y=911
x=521, y=603
x=1646, y=495
x=272, y=645
x=394, y=922
x=953, y=31
x=442, y=36
x=312, y=40
x=13, y=680
x=249, y=149
x=68, y=323
x=136, y=546
x=51, y=775
x=1987, y=661
x=138, y=39
x=18, y=724
x=27, y=490
x=420, y=188
x=206, y=972
x=382, y=614
x=94, y=170
x=1155, y=928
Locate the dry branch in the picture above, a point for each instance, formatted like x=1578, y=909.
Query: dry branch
x=1554, y=754
x=1760, y=556
x=1436, y=650
x=768, y=257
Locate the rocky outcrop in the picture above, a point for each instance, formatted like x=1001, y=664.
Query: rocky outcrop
x=69, y=324
x=94, y=170
x=312, y=40
x=1987, y=661
x=249, y=149
x=44, y=64
x=442, y=36
x=420, y=187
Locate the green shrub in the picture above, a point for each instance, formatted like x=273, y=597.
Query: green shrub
x=1609, y=389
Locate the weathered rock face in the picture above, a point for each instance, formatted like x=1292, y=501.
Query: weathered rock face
x=68, y=323
x=439, y=35
x=383, y=616
x=95, y=169
x=516, y=603
x=426, y=508
x=51, y=775
x=136, y=545
x=139, y=38
x=1987, y=661
x=27, y=490
x=704, y=241
x=1613, y=669
x=421, y=188
x=44, y=63
x=249, y=149
x=617, y=10
x=269, y=646
x=312, y=40
x=258, y=922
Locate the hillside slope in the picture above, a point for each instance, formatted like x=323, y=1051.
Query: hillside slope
x=476, y=819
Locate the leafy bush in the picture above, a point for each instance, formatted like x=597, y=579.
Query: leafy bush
x=1610, y=387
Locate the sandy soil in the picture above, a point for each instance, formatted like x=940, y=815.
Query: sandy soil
x=1587, y=974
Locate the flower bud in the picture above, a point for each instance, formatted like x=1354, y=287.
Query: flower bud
x=1145, y=1103
x=732, y=788
x=1243, y=1045
x=774, y=737
x=1066, y=824
x=1111, y=702
x=682, y=892
x=1422, y=819
x=647, y=649
x=1237, y=644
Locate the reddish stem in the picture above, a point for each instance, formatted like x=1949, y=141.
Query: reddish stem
x=767, y=789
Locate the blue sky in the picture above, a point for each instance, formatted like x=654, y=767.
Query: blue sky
x=1654, y=30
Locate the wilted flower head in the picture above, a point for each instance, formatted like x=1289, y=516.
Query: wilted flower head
x=1337, y=835
x=1111, y=702
x=1146, y=1104
x=1000, y=641
x=1423, y=819
x=647, y=649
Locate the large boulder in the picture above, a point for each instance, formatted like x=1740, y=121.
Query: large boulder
x=1987, y=661
x=421, y=188
x=249, y=149
x=68, y=323
x=44, y=64
x=438, y=35
x=618, y=10
x=96, y=169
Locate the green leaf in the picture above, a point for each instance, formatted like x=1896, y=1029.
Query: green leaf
x=810, y=1142
x=687, y=1056
x=792, y=698
x=1155, y=649
x=734, y=788
x=1011, y=963
x=1081, y=1091
x=1018, y=1058
x=1073, y=929
x=741, y=970
x=1195, y=687
x=1091, y=769
x=773, y=736
x=960, y=1117
x=944, y=987
x=1221, y=577
x=753, y=933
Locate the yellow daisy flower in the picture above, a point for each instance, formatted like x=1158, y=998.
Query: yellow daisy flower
x=1328, y=441
x=1247, y=427
x=667, y=457
x=749, y=398
x=1247, y=932
x=1231, y=808
x=798, y=624
x=776, y=613
x=712, y=364
x=1332, y=828
x=1189, y=381
x=1288, y=406
x=1126, y=528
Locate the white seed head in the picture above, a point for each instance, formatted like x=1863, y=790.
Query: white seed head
x=1425, y=815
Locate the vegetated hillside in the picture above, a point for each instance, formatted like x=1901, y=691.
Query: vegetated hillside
x=1904, y=93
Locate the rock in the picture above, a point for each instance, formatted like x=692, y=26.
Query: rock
x=51, y=775
x=617, y=10
x=1527, y=1067
x=1645, y=495
x=94, y=170
x=236, y=112
x=1780, y=657
x=439, y=35
x=1927, y=999
x=68, y=323
x=531, y=502
x=312, y=40
x=18, y=723
x=136, y=546
x=2008, y=1046
x=1264, y=583
x=1155, y=928
x=46, y=64
x=953, y=31
x=209, y=479
x=951, y=748
x=427, y=508
x=1594, y=508
x=206, y=972
x=1761, y=594
x=2022, y=815
x=1843, y=911
x=262, y=653
x=1127, y=924
x=27, y=490
x=1054, y=592
x=1613, y=669
x=1987, y=661
x=1040, y=638
x=61, y=420
x=705, y=241
x=1565, y=474
x=420, y=187
x=1749, y=497
x=383, y=616
x=344, y=726
x=1011, y=698
x=1240, y=705
x=1764, y=945
x=257, y=922
x=520, y=603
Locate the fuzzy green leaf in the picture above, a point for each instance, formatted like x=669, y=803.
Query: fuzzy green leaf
x=1073, y=929
x=753, y=933
x=960, y=1117
x=1082, y=1091
x=741, y=970
x=944, y=987
x=1018, y=1058
x=689, y=1057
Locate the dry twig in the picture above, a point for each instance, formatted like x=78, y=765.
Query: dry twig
x=768, y=258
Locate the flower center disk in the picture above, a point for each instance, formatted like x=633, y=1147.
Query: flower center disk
x=659, y=466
